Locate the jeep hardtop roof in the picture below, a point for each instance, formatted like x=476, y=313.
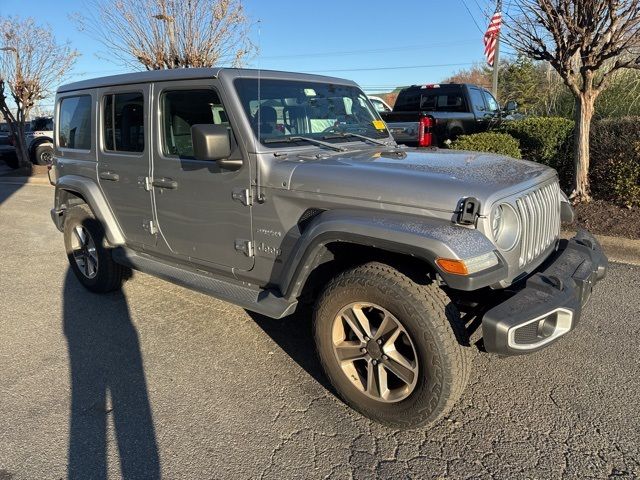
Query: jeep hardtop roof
x=193, y=73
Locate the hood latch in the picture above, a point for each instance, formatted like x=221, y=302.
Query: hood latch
x=468, y=211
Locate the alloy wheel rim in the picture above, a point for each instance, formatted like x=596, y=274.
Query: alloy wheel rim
x=46, y=157
x=84, y=252
x=375, y=352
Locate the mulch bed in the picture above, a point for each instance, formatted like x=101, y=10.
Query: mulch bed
x=606, y=218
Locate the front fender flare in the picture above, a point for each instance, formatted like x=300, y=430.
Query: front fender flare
x=420, y=237
x=92, y=195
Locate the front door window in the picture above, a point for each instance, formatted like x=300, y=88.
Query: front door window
x=181, y=109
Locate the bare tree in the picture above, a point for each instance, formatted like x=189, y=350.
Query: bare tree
x=161, y=34
x=586, y=42
x=31, y=65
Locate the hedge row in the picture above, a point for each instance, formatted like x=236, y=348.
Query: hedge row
x=492, y=142
x=615, y=151
x=546, y=140
x=614, y=172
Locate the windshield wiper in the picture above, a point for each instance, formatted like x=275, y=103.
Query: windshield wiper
x=356, y=135
x=304, y=139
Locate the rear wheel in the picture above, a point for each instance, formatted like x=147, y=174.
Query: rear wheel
x=43, y=155
x=90, y=259
x=391, y=348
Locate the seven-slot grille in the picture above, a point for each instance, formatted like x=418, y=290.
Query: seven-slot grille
x=540, y=216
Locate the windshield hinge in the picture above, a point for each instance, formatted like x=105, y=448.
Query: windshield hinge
x=242, y=195
x=244, y=246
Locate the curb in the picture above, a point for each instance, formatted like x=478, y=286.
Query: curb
x=617, y=249
x=7, y=180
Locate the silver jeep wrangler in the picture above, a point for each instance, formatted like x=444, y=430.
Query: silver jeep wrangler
x=276, y=191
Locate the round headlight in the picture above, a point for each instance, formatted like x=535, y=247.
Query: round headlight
x=505, y=226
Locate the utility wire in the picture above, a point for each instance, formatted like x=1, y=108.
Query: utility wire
x=472, y=17
x=400, y=67
x=361, y=52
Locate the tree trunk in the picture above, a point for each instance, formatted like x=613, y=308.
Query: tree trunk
x=22, y=152
x=583, y=115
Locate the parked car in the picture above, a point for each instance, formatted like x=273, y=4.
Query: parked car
x=39, y=140
x=379, y=104
x=277, y=191
x=7, y=150
x=430, y=115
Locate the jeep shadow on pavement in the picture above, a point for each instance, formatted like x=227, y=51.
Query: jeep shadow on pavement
x=274, y=190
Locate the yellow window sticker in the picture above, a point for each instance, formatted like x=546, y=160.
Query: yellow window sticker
x=379, y=124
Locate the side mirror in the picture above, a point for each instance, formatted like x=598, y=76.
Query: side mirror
x=511, y=106
x=213, y=142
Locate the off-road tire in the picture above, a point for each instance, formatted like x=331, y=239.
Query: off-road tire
x=110, y=275
x=434, y=325
x=42, y=151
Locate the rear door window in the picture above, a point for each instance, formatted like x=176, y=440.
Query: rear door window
x=74, y=120
x=124, y=122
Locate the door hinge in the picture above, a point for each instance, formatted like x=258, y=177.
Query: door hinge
x=244, y=246
x=242, y=195
x=149, y=226
x=145, y=182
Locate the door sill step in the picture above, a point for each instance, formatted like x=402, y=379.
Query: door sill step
x=260, y=301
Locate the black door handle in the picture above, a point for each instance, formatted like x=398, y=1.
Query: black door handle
x=114, y=177
x=165, y=183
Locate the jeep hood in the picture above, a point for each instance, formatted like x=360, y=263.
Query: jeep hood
x=435, y=179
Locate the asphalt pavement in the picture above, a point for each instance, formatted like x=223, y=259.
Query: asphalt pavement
x=161, y=381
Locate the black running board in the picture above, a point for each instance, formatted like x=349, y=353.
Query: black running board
x=260, y=301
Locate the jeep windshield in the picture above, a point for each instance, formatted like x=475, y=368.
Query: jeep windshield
x=292, y=111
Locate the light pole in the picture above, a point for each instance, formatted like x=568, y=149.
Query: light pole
x=496, y=58
x=18, y=69
x=172, y=39
x=15, y=51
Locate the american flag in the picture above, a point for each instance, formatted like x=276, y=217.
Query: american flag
x=491, y=36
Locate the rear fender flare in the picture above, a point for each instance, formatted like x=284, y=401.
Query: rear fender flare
x=92, y=195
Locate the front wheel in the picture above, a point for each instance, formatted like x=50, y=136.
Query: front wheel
x=393, y=349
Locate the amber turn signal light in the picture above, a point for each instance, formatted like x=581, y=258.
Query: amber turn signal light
x=468, y=266
x=456, y=267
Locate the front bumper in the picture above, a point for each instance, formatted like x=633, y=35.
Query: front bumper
x=551, y=302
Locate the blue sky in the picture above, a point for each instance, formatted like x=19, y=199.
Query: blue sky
x=363, y=41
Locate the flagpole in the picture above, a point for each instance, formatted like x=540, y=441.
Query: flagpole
x=496, y=58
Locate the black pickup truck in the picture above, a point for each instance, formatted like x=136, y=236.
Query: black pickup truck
x=429, y=115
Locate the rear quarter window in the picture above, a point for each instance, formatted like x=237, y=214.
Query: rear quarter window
x=408, y=101
x=74, y=120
